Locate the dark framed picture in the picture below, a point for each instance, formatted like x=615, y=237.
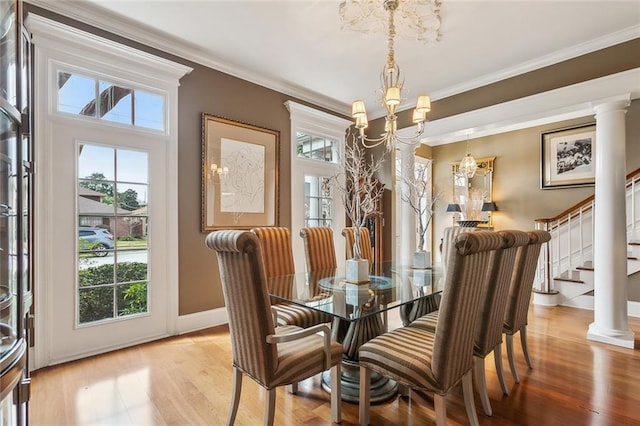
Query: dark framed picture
x=239, y=174
x=568, y=157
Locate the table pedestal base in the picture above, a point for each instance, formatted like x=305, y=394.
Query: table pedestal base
x=382, y=388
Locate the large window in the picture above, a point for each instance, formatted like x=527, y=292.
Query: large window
x=113, y=220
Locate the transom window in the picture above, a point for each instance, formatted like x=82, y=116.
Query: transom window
x=104, y=100
x=316, y=148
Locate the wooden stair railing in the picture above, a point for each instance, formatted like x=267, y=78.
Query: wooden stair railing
x=559, y=254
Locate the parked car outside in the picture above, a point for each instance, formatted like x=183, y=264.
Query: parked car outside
x=96, y=240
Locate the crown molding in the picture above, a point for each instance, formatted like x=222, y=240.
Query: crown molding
x=558, y=56
x=95, y=16
x=577, y=100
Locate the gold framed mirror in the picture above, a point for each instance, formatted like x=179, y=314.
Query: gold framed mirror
x=474, y=196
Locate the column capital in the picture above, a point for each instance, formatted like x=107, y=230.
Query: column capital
x=612, y=104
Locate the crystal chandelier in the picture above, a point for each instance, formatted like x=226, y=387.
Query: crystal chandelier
x=421, y=17
x=468, y=165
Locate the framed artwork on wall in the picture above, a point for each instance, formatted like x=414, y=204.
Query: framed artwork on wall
x=239, y=174
x=568, y=157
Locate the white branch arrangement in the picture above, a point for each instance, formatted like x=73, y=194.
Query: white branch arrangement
x=359, y=189
x=418, y=190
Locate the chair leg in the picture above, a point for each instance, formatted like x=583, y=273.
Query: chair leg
x=467, y=391
x=336, y=393
x=440, y=405
x=235, y=398
x=497, y=355
x=481, y=385
x=525, y=349
x=365, y=383
x=404, y=390
x=270, y=407
x=512, y=363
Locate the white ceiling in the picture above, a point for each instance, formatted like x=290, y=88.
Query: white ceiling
x=298, y=47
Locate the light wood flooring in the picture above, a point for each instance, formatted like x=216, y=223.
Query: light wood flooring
x=186, y=380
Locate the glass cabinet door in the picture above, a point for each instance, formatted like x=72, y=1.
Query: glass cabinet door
x=15, y=208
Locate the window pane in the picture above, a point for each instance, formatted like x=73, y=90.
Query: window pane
x=132, y=166
x=95, y=304
x=149, y=110
x=115, y=103
x=96, y=162
x=132, y=299
x=76, y=94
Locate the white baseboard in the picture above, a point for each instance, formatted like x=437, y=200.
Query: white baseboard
x=200, y=320
x=586, y=302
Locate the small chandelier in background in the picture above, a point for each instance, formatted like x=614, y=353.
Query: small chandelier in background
x=420, y=16
x=468, y=165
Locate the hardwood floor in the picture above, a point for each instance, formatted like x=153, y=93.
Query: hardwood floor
x=186, y=380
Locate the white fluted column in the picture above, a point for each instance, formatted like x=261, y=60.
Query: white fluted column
x=610, y=321
x=408, y=224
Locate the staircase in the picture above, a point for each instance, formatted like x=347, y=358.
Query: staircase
x=565, y=268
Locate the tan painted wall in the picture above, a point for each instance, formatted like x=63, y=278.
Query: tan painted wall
x=516, y=178
x=516, y=181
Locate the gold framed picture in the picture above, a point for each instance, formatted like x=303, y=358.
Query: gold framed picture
x=239, y=174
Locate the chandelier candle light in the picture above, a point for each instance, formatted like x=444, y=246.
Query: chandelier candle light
x=391, y=79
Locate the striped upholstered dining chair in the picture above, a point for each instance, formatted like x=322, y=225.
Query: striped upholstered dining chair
x=278, y=261
x=272, y=356
x=366, y=249
x=515, y=318
x=488, y=335
x=319, y=250
x=437, y=360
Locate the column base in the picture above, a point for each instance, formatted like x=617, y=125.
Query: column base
x=624, y=339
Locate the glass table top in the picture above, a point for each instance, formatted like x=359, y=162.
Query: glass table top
x=329, y=292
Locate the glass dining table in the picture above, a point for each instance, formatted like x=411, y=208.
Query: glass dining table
x=360, y=312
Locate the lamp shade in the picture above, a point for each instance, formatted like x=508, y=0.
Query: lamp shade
x=358, y=109
x=361, y=122
x=392, y=97
x=424, y=104
x=418, y=117
x=489, y=207
x=453, y=208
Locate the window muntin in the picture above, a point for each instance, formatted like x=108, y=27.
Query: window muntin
x=103, y=100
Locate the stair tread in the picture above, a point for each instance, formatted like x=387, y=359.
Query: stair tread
x=573, y=280
x=585, y=268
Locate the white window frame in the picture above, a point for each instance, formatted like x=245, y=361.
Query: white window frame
x=317, y=123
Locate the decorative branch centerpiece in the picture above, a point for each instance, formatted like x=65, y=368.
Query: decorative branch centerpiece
x=418, y=197
x=360, y=191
